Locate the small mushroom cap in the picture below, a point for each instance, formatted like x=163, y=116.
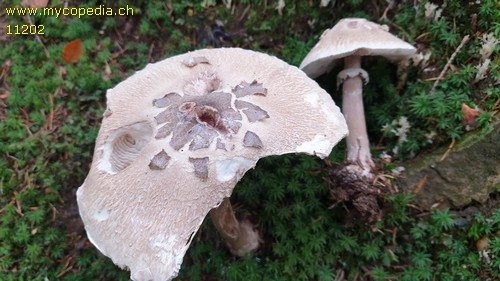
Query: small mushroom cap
x=353, y=37
x=176, y=138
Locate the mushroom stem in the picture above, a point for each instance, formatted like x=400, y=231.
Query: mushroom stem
x=240, y=237
x=358, y=146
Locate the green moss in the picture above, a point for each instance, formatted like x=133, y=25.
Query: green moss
x=51, y=117
x=477, y=137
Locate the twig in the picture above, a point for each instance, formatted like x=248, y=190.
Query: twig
x=243, y=15
x=50, y=120
x=340, y=275
x=150, y=54
x=450, y=147
x=46, y=51
x=443, y=72
x=414, y=207
x=389, y=7
x=496, y=108
x=420, y=185
x=394, y=236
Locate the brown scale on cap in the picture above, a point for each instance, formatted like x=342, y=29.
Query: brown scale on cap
x=199, y=119
x=189, y=118
x=246, y=89
x=251, y=139
x=193, y=61
x=159, y=161
x=210, y=117
x=200, y=167
x=253, y=112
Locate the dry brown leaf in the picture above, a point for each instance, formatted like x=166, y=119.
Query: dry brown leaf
x=483, y=244
x=72, y=51
x=4, y=94
x=470, y=114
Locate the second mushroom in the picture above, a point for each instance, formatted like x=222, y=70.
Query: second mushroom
x=349, y=40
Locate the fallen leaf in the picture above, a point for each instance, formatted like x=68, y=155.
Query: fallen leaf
x=72, y=51
x=470, y=115
x=37, y=3
x=483, y=244
x=4, y=94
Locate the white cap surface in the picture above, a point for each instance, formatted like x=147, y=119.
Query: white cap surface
x=353, y=37
x=176, y=138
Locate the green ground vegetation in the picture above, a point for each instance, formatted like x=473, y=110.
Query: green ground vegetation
x=50, y=113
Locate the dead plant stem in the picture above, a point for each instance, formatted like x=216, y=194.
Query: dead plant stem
x=448, y=63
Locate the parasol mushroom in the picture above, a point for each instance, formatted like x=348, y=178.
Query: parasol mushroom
x=176, y=138
x=350, y=39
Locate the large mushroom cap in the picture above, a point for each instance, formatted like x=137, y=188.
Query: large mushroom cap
x=353, y=37
x=176, y=138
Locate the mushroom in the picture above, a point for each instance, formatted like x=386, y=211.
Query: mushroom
x=175, y=139
x=350, y=39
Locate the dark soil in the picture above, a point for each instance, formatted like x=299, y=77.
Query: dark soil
x=361, y=193
x=69, y=218
x=4, y=88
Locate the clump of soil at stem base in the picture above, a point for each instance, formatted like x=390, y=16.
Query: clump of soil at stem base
x=361, y=193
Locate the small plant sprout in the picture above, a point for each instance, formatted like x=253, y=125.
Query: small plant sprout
x=178, y=136
x=350, y=39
